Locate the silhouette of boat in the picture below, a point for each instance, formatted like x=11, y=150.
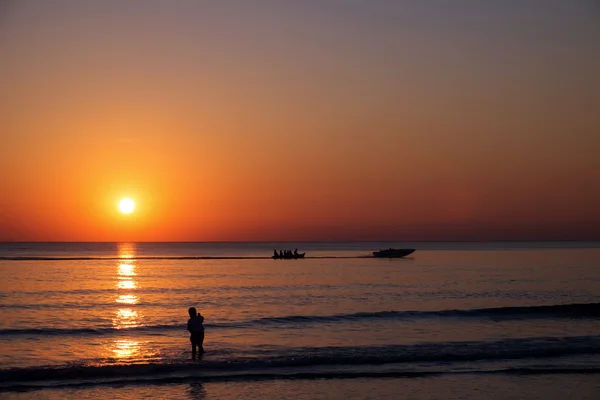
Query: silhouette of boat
x=393, y=253
x=290, y=257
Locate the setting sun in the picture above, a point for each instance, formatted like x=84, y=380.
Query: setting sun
x=126, y=206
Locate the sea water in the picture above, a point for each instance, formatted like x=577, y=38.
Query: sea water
x=452, y=320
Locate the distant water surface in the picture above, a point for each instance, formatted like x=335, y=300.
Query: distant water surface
x=106, y=314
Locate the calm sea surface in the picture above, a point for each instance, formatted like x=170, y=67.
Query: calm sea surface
x=453, y=320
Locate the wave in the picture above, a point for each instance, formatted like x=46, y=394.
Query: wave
x=89, y=331
x=561, y=311
x=583, y=310
x=327, y=362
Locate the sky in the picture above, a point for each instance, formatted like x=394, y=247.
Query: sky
x=279, y=120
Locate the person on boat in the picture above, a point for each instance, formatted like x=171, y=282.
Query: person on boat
x=275, y=255
x=195, y=326
x=280, y=253
x=296, y=253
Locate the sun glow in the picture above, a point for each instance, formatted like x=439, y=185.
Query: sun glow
x=126, y=206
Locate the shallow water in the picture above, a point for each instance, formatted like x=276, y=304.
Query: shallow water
x=104, y=314
x=446, y=387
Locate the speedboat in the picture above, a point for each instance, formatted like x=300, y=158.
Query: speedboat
x=393, y=253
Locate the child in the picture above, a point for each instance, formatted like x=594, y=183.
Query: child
x=196, y=329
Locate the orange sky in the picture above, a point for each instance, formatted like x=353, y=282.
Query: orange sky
x=282, y=120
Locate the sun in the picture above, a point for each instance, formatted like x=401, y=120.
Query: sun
x=126, y=206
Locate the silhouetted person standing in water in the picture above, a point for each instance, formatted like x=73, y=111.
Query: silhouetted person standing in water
x=196, y=328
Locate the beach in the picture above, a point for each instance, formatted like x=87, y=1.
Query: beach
x=498, y=320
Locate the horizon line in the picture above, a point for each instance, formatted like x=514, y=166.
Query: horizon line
x=317, y=241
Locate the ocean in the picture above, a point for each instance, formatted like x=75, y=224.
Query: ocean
x=510, y=320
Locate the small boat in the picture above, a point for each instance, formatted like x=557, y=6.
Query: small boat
x=290, y=257
x=393, y=253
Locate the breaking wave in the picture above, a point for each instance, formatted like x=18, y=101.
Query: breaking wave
x=319, y=363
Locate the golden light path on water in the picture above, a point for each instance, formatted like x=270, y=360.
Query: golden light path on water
x=127, y=299
x=125, y=349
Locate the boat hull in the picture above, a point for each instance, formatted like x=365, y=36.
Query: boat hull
x=393, y=253
x=292, y=257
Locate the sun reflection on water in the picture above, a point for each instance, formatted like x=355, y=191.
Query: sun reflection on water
x=126, y=274
x=127, y=299
x=126, y=284
x=125, y=348
x=126, y=317
x=127, y=268
x=126, y=250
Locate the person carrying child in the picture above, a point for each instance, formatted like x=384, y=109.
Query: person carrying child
x=195, y=326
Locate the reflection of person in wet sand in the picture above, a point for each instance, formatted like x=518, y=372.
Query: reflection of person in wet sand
x=196, y=328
